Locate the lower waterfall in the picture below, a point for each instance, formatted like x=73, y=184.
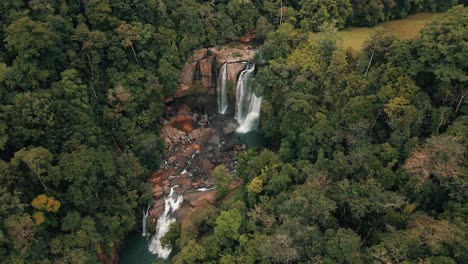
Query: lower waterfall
x=171, y=203
x=144, y=229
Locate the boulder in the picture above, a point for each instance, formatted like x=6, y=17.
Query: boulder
x=183, y=182
x=172, y=159
x=156, y=209
x=207, y=165
x=158, y=192
x=204, y=119
x=195, y=185
x=215, y=140
x=199, y=198
x=228, y=130
x=166, y=187
x=195, y=117
x=173, y=136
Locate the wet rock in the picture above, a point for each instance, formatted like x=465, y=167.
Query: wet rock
x=183, y=182
x=195, y=117
x=207, y=165
x=201, y=134
x=204, y=119
x=158, y=195
x=158, y=192
x=166, y=186
x=156, y=209
x=195, y=185
x=173, y=136
x=199, y=198
x=171, y=160
x=228, y=130
x=215, y=140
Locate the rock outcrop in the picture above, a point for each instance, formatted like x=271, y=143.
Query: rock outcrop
x=196, y=143
x=199, y=74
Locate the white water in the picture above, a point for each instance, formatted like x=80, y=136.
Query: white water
x=247, y=103
x=205, y=189
x=144, y=229
x=221, y=89
x=253, y=115
x=172, y=203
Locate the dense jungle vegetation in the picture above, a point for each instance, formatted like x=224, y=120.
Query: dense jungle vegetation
x=368, y=155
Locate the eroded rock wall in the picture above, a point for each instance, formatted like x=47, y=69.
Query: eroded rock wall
x=199, y=74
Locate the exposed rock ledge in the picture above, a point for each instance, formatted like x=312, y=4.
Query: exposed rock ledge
x=199, y=74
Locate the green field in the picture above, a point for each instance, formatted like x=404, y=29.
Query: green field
x=405, y=28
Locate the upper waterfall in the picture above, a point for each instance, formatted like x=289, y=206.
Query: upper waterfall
x=247, y=103
x=221, y=90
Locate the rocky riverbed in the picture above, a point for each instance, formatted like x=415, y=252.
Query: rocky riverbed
x=197, y=140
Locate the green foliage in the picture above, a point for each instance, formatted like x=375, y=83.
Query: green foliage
x=316, y=13
x=228, y=226
x=367, y=163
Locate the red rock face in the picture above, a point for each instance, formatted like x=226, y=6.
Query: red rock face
x=207, y=58
x=184, y=123
x=234, y=69
x=248, y=38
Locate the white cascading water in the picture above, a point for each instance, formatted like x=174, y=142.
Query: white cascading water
x=172, y=203
x=144, y=229
x=205, y=189
x=247, y=103
x=253, y=115
x=221, y=89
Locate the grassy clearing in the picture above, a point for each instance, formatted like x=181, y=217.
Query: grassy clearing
x=406, y=28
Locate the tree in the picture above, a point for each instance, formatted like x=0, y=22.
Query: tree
x=29, y=38
x=315, y=13
x=228, y=225
x=128, y=34
x=440, y=55
x=30, y=116
x=342, y=246
x=192, y=253
x=38, y=160
x=441, y=157
x=222, y=179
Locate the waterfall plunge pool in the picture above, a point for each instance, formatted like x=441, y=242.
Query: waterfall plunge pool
x=136, y=250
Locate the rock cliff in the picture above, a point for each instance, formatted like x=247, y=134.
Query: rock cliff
x=199, y=74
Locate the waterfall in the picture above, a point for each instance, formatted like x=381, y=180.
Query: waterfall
x=171, y=203
x=253, y=115
x=247, y=103
x=221, y=89
x=205, y=189
x=144, y=229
